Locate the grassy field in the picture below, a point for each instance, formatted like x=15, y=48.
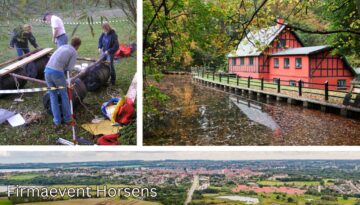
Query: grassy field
x=42, y=133
x=272, y=199
x=100, y=201
x=5, y=201
x=295, y=183
x=22, y=177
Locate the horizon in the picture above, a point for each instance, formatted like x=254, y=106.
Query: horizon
x=11, y=157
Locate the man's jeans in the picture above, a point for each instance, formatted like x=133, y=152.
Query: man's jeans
x=56, y=79
x=22, y=51
x=61, y=40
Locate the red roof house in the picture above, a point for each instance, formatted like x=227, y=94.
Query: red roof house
x=278, y=53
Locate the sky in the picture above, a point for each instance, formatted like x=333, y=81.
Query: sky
x=15, y=157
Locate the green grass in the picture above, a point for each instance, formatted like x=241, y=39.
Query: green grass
x=5, y=201
x=21, y=177
x=295, y=183
x=42, y=133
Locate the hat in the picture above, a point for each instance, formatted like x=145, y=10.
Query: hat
x=45, y=15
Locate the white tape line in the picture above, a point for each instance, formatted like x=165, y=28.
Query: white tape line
x=74, y=22
x=30, y=90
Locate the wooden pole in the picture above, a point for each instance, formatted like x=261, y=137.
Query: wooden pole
x=28, y=78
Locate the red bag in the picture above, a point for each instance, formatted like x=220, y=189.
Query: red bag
x=108, y=140
x=125, y=112
x=123, y=51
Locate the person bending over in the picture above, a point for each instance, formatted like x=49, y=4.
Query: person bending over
x=20, y=39
x=59, y=36
x=63, y=59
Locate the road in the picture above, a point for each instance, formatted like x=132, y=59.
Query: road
x=193, y=187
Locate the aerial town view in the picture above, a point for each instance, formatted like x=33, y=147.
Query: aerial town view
x=189, y=182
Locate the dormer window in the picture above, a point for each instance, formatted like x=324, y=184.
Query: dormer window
x=281, y=43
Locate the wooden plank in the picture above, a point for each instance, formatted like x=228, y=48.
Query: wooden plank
x=19, y=58
x=10, y=68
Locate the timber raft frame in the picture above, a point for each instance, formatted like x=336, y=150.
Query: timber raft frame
x=345, y=111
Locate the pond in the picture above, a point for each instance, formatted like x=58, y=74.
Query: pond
x=198, y=115
x=247, y=200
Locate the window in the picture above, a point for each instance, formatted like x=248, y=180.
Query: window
x=281, y=43
x=286, y=62
x=233, y=61
x=292, y=83
x=341, y=83
x=242, y=61
x=275, y=80
x=276, y=62
x=251, y=60
x=298, y=63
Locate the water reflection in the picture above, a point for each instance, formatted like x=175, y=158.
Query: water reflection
x=197, y=115
x=254, y=112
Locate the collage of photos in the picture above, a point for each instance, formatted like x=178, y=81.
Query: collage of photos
x=180, y=102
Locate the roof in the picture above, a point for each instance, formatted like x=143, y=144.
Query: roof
x=301, y=50
x=249, y=46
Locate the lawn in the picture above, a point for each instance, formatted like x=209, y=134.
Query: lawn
x=42, y=133
x=5, y=201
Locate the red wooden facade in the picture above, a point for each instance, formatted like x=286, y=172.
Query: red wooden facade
x=309, y=64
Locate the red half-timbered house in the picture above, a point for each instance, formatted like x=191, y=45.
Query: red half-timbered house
x=278, y=53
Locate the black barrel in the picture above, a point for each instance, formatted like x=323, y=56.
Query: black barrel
x=78, y=95
x=96, y=77
x=8, y=82
x=40, y=66
x=31, y=70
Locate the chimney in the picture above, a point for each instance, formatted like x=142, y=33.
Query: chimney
x=280, y=22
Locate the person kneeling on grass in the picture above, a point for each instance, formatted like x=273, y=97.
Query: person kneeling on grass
x=63, y=59
x=20, y=38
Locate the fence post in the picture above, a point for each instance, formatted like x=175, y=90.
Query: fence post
x=249, y=82
x=237, y=80
x=228, y=79
x=198, y=71
x=300, y=88
x=326, y=90
x=262, y=83
x=220, y=77
x=203, y=73
x=207, y=75
x=278, y=85
x=213, y=75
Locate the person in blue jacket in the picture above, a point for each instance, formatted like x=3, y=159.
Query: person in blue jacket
x=108, y=45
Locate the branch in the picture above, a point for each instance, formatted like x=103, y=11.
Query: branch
x=321, y=31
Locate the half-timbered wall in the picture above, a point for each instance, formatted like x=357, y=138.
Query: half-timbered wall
x=246, y=67
x=326, y=65
x=290, y=42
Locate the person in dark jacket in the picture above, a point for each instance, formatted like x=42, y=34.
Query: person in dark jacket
x=20, y=38
x=108, y=45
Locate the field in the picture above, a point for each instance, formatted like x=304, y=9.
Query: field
x=100, y=201
x=42, y=133
x=295, y=183
x=271, y=199
x=23, y=177
x=5, y=201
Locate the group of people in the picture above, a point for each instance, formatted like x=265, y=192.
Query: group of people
x=64, y=59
